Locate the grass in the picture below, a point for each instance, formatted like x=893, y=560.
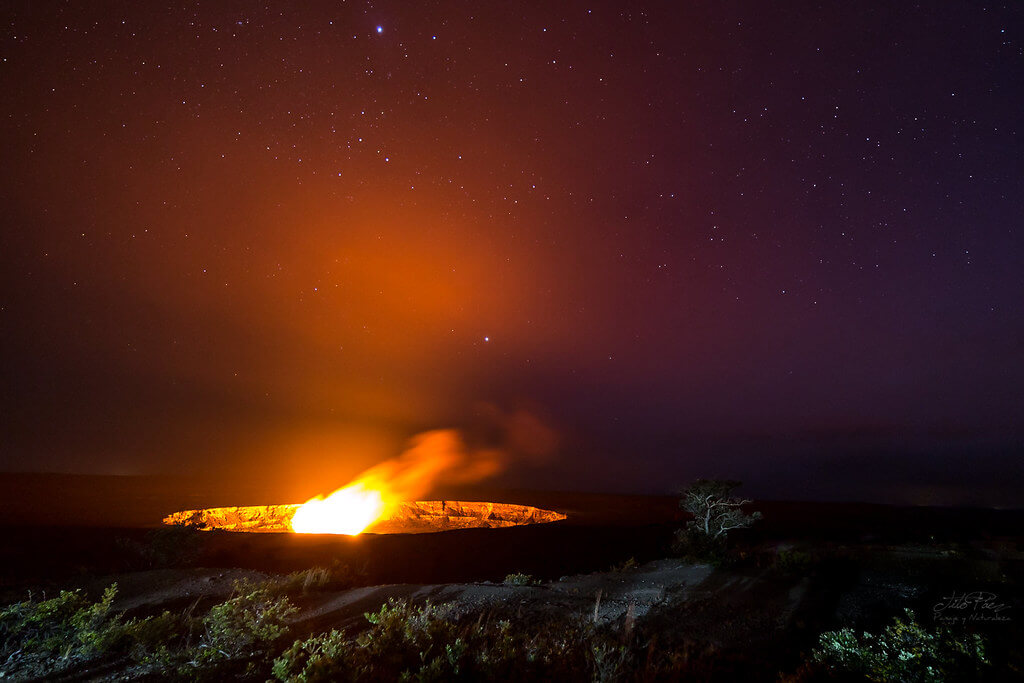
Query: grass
x=306, y=582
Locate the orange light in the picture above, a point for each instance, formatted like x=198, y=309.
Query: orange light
x=430, y=457
x=348, y=510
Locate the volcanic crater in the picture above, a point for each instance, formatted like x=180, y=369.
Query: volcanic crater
x=404, y=518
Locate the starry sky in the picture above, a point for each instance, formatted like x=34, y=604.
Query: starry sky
x=779, y=242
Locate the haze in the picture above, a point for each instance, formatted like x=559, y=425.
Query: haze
x=725, y=240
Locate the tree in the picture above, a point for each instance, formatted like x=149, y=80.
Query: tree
x=715, y=511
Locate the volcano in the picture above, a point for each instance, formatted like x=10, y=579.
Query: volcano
x=403, y=518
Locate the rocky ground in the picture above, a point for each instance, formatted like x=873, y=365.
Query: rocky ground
x=804, y=569
x=603, y=596
x=752, y=615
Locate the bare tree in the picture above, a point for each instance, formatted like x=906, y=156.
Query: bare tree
x=715, y=511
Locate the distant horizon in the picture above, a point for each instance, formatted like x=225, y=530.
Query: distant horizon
x=1007, y=497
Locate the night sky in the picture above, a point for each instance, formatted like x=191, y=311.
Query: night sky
x=781, y=242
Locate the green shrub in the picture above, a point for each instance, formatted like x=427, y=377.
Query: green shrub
x=41, y=639
x=244, y=626
x=45, y=638
x=403, y=642
x=318, y=658
x=520, y=579
x=904, y=651
x=427, y=643
x=235, y=638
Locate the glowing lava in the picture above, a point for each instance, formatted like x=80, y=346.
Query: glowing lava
x=430, y=457
x=418, y=517
x=346, y=511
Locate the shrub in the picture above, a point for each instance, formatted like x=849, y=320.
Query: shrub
x=520, y=579
x=48, y=637
x=904, y=651
x=244, y=626
x=402, y=642
x=245, y=629
x=427, y=643
x=317, y=658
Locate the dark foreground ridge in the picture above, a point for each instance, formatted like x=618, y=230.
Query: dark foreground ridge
x=605, y=579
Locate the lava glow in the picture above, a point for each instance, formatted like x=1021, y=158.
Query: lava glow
x=346, y=511
x=431, y=457
x=392, y=491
